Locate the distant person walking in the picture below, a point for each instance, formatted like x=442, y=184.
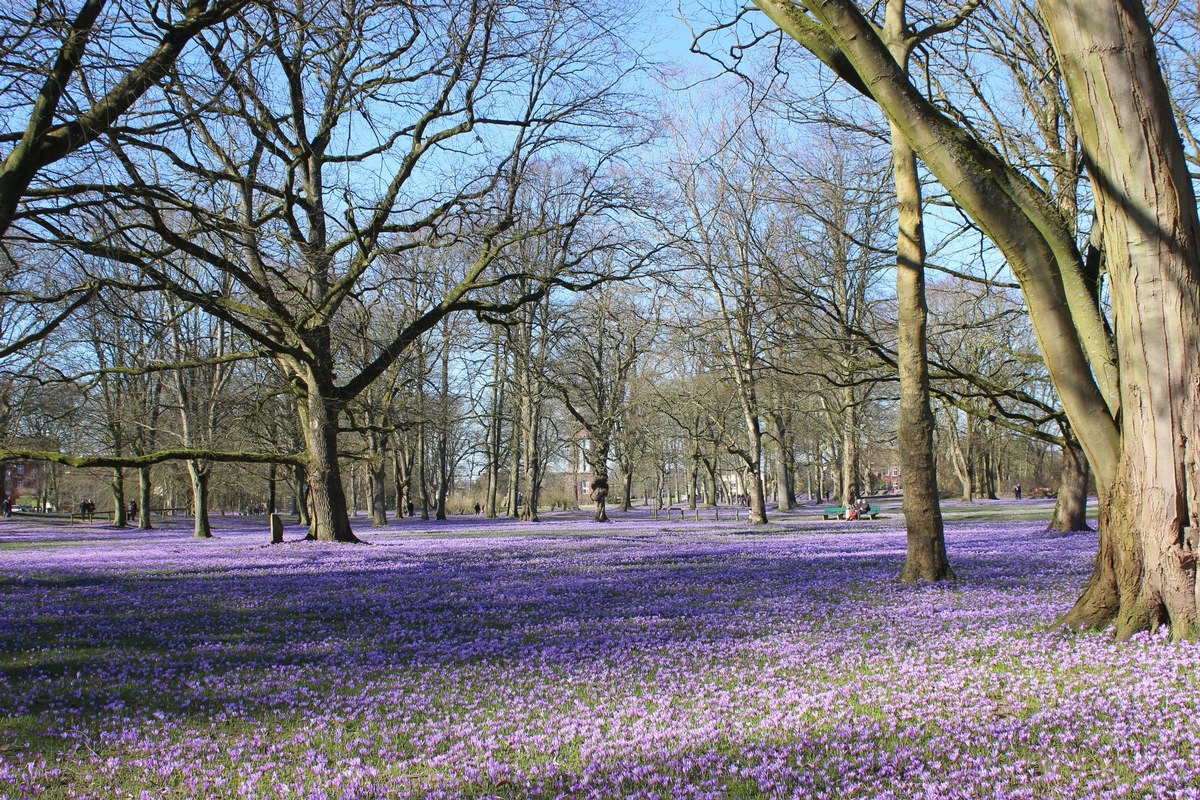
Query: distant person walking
x=7, y=506
x=1017, y=492
x=133, y=510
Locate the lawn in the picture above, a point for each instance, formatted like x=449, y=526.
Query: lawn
x=639, y=659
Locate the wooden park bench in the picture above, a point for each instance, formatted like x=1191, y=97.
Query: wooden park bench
x=695, y=512
x=839, y=512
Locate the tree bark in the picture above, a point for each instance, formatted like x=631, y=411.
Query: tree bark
x=118, y=495
x=330, y=520
x=1151, y=238
x=144, y=499
x=783, y=453
x=530, y=457
x=514, y=466
x=377, y=488
x=402, y=467
x=495, y=429
x=272, y=488
x=300, y=475
x=1070, y=510
x=849, y=487
x=959, y=459
x=600, y=496
x=925, y=559
x=376, y=474
x=201, y=528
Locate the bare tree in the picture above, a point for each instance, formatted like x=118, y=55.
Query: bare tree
x=47, y=50
x=604, y=339
x=282, y=191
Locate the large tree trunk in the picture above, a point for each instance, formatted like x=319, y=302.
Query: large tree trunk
x=144, y=499
x=118, y=495
x=849, y=488
x=272, y=489
x=754, y=481
x=1070, y=510
x=694, y=494
x=926, y=558
x=600, y=496
x=376, y=475
x=327, y=498
x=783, y=452
x=531, y=458
x=958, y=459
x=443, y=434
x=494, y=431
x=514, y=470
x=202, y=528
x=1146, y=567
x=377, y=490
x=300, y=476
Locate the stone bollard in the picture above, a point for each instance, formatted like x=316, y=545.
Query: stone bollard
x=276, y=529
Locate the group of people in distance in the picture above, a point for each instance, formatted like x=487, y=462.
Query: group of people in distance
x=87, y=510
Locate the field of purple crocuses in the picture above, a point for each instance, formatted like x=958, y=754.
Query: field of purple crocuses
x=639, y=659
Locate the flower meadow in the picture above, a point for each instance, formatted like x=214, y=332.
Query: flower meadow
x=639, y=659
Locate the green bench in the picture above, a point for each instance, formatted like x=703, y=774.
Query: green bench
x=839, y=512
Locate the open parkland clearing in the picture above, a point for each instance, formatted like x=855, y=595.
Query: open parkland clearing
x=638, y=659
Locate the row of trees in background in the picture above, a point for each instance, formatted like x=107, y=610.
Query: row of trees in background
x=689, y=385
x=455, y=419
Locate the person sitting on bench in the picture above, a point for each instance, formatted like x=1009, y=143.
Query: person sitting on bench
x=859, y=507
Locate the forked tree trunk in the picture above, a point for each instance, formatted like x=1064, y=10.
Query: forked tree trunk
x=400, y=477
x=925, y=559
x=201, y=528
x=1070, y=510
x=783, y=453
x=958, y=459
x=1145, y=572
